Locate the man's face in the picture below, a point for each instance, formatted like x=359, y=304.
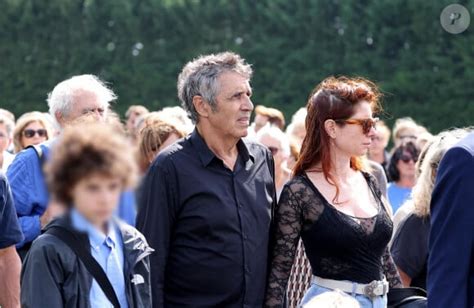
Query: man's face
x=4, y=138
x=86, y=103
x=234, y=107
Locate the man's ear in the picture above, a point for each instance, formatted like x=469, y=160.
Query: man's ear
x=60, y=118
x=330, y=127
x=202, y=108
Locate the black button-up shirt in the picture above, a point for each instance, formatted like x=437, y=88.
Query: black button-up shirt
x=208, y=224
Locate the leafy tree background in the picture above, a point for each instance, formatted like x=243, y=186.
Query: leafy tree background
x=139, y=46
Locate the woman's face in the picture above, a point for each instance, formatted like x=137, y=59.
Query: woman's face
x=34, y=133
x=96, y=197
x=350, y=138
x=406, y=165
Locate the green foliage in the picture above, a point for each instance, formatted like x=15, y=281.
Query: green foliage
x=139, y=46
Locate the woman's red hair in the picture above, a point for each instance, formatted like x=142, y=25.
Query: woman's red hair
x=333, y=98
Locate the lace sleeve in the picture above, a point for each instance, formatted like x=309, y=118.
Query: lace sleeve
x=390, y=270
x=288, y=224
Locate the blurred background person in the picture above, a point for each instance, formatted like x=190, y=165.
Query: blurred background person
x=90, y=168
x=153, y=138
x=406, y=130
x=132, y=114
x=266, y=115
x=296, y=130
x=410, y=245
x=10, y=235
x=424, y=138
x=378, y=148
x=277, y=142
x=6, y=134
x=175, y=116
x=402, y=174
x=32, y=128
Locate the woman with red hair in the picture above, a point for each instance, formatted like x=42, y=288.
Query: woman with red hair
x=333, y=204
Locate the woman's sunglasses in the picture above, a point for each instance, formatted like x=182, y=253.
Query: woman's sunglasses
x=30, y=133
x=406, y=158
x=367, y=124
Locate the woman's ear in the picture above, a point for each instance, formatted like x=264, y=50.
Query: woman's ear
x=330, y=127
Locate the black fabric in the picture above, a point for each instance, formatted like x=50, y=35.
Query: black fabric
x=338, y=246
x=10, y=232
x=210, y=224
x=407, y=298
x=410, y=248
x=52, y=268
x=91, y=264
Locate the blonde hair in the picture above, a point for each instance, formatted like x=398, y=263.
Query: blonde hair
x=24, y=121
x=427, y=167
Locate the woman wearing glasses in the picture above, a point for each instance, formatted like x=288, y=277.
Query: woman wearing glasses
x=32, y=128
x=333, y=204
x=402, y=174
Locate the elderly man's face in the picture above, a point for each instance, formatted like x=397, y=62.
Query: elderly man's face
x=86, y=103
x=234, y=107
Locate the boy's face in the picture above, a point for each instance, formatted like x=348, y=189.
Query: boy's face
x=96, y=197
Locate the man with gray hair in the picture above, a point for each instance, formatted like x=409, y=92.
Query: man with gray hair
x=70, y=99
x=207, y=200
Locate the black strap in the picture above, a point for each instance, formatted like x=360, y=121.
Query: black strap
x=91, y=264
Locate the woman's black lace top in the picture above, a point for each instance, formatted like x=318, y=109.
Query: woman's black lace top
x=338, y=246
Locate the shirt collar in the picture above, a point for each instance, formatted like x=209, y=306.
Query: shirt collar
x=96, y=237
x=206, y=155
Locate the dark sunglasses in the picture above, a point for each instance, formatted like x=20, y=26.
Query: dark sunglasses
x=30, y=133
x=274, y=150
x=366, y=124
x=406, y=158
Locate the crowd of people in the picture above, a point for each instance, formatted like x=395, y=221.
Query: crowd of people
x=198, y=206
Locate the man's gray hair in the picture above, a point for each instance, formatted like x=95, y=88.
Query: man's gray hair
x=61, y=98
x=199, y=77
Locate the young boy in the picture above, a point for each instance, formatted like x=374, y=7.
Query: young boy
x=91, y=166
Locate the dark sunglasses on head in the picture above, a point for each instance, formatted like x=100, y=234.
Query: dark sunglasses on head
x=30, y=133
x=406, y=158
x=366, y=124
x=274, y=150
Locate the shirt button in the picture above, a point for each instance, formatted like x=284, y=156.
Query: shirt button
x=246, y=237
x=247, y=270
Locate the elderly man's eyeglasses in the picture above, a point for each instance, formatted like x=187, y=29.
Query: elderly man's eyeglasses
x=30, y=133
x=366, y=124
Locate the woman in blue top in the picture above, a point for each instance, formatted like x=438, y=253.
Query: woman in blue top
x=402, y=174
